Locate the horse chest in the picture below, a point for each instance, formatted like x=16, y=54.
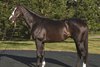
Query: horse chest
x=39, y=33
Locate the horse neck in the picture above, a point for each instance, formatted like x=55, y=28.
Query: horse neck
x=29, y=17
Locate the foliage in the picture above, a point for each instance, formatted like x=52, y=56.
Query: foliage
x=55, y=9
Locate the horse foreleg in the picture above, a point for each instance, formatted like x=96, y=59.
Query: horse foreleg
x=40, y=53
x=85, y=57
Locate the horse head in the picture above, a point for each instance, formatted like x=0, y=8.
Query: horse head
x=15, y=14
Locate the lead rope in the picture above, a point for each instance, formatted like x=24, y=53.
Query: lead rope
x=3, y=51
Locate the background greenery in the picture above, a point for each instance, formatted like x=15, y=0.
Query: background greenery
x=54, y=9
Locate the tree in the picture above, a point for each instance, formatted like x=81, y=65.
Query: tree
x=54, y=9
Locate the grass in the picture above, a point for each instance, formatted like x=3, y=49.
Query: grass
x=68, y=45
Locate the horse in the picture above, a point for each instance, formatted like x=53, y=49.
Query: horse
x=45, y=30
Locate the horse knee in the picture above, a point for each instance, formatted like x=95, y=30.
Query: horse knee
x=82, y=50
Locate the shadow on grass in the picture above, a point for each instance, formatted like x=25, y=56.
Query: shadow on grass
x=29, y=61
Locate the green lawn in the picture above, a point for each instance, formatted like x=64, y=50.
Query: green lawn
x=68, y=45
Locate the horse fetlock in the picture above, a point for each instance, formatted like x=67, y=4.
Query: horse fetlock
x=43, y=63
x=84, y=64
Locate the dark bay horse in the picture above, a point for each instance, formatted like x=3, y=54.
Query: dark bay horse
x=51, y=30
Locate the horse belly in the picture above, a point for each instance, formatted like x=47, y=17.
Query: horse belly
x=54, y=37
x=57, y=34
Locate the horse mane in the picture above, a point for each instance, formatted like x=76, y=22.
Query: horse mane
x=32, y=12
x=39, y=16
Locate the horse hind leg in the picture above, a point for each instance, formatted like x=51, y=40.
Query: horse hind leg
x=81, y=54
x=85, y=56
x=78, y=54
x=84, y=49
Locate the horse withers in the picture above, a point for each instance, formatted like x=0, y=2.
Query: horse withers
x=53, y=30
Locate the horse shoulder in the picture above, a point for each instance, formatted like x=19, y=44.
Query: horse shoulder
x=39, y=32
